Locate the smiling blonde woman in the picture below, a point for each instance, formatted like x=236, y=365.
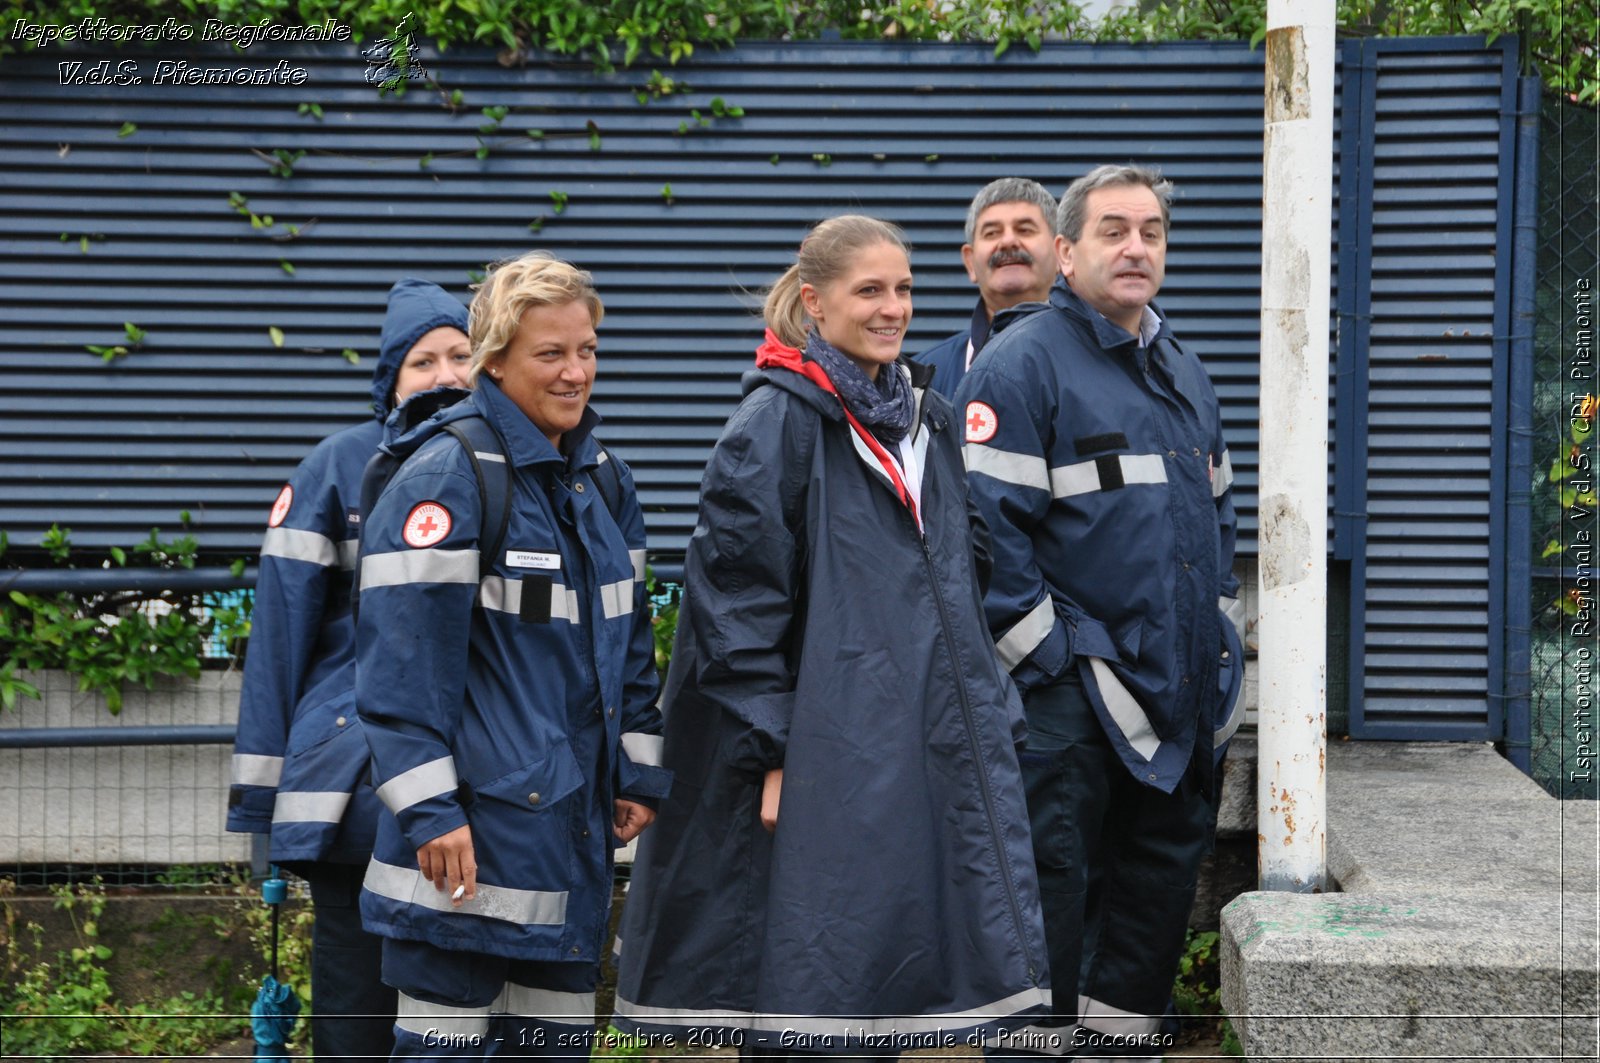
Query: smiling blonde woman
x=843, y=864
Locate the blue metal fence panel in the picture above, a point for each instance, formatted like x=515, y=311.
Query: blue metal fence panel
x=682, y=218
x=1432, y=315
x=208, y=416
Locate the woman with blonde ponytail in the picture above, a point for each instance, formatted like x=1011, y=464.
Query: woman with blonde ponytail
x=844, y=862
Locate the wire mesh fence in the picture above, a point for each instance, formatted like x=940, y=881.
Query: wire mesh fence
x=108, y=802
x=1565, y=528
x=127, y=814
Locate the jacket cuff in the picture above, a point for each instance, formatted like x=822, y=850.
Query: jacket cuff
x=1046, y=663
x=650, y=801
x=429, y=820
x=250, y=809
x=638, y=781
x=761, y=722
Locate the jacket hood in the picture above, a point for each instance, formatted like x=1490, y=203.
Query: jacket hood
x=416, y=307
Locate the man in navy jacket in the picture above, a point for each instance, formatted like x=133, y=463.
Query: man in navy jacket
x=1094, y=451
x=1010, y=256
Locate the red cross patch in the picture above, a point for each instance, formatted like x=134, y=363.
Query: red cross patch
x=428, y=524
x=280, y=508
x=982, y=423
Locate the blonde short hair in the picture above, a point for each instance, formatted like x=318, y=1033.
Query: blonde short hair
x=513, y=287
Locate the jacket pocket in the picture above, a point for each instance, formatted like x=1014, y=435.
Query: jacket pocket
x=539, y=784
x=320, y=723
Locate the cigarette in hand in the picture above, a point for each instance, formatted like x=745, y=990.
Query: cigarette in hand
x=461, y=891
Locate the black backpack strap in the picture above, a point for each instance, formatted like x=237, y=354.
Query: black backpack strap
x=379, y=468
x=493, y=472
x=608, y=481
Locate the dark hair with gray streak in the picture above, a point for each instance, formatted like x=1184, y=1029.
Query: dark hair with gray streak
x=1010, y=190
x=1074, y=201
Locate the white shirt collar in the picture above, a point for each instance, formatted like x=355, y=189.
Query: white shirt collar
x=1149, y=324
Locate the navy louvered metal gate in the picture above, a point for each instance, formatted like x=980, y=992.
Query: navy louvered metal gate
x=1425, y=366
x=682, y=218
x=679, y=218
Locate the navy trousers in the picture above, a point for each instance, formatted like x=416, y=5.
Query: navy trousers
x=353, y=1011
x=1117, y=863
x=469, y=1005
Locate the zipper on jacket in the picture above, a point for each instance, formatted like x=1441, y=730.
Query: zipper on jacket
x=1001, y=851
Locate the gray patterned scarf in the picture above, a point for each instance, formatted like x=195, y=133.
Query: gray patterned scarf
x=885, y=406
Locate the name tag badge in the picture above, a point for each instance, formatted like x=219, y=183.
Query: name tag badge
x=530, y=559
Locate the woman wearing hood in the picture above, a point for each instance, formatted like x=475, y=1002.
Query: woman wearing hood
x=300, y=763
x=844, y=862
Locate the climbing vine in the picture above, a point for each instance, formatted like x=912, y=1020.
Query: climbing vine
x=1563, y=38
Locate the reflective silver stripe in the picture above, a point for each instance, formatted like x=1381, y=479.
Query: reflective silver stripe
x=314, y=807
x=252, y=769
x=637, y=557
x=1045, y=1040
x=1234, y=610
x=521, y=907
x=349, y=551
x=1026, y=634
x=1083, y=477
x=419, y=566
x=298, y=545
x=882, y=1026
x=500, y=594
x=1024, y=470
x=484, y=455
x=1222, y=476
x=418, y=784
x=616, y=599
x=505, y=596
x=549, y=1005
x=423, y=1017
x=642, y=748
x=1106, y=1019
x=1125, y=712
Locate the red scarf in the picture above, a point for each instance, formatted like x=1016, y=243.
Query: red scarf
x=775, y=354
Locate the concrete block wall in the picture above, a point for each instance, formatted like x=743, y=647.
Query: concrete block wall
x=1466, y=927
x=120, y=805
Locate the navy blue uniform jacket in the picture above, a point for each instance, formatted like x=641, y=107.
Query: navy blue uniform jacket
x=519, y=701
x=1100, y=468
x=299, y=763
x=821, y=632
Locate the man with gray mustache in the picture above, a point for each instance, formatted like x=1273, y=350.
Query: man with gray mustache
x=1010, y=256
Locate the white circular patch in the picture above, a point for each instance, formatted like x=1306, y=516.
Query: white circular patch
x=982, y=423
x=428, y=524
x=280, y=508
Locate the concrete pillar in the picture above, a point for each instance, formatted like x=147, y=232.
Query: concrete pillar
x=1297, y=192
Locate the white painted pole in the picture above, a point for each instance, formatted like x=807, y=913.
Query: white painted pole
x=1297, y=192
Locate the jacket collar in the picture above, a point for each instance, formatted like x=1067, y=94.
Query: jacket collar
x=525, y=444
x=1109, y=336
x=978, y=331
